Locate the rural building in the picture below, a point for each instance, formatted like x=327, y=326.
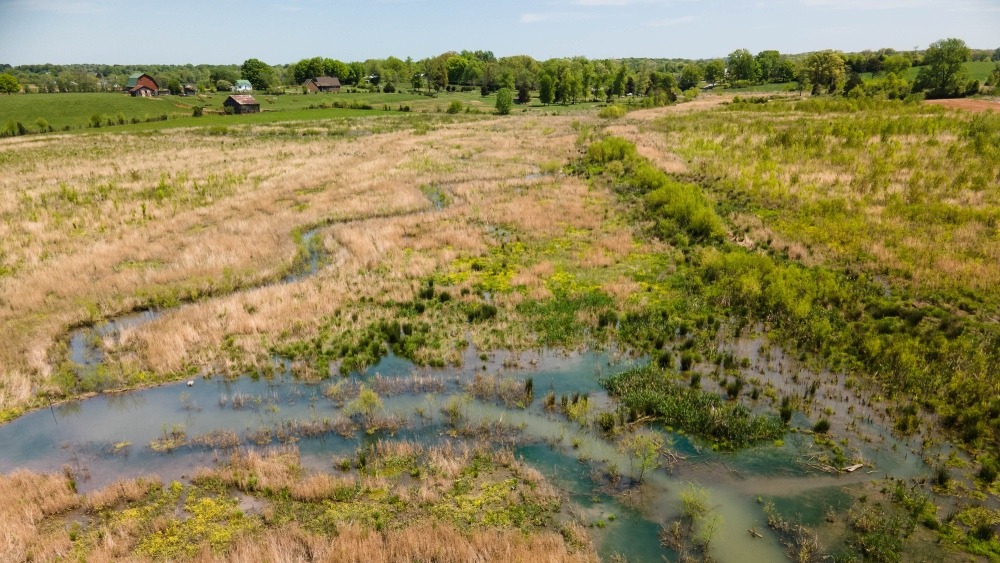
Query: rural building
x=322, y=84
x=141, y=84
x=190, y=90
x=242, y=104
x=242, y=86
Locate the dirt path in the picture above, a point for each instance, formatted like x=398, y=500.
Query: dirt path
x=966, y=104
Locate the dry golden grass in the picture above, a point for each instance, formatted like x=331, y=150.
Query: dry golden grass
x=422, y=541
x=105, y=223
x=121, y=492
x=251, y=470
x=26, y=500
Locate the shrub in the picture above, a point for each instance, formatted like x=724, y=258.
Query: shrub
x=612, y=112
x=455, y=107
x=822, y=427
x=505, y=99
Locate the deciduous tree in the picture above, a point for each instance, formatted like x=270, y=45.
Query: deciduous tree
x=690, y=76
x=258, y=73
x=944, y=74
x=741, y=67
x=9, y=84
x=825, y=70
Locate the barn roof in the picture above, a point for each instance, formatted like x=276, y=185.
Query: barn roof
x=327, y=81
x=244, y=100
x=133, y=79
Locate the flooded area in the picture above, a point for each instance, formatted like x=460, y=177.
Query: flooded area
x=111, y=436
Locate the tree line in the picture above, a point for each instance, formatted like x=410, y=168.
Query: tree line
x=561, y=80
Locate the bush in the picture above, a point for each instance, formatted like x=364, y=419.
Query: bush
x=822, y=427
x=455, y=107
x=612, y=112
x=198, y=111
x=505, y=99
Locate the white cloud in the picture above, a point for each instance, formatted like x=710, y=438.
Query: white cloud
x=866, y=4
x=666, y=22
x=57, y=6
x=553, y=17
x=615, y=2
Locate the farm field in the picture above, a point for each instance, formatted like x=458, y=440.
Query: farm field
x=255, y=334
x=74, y=112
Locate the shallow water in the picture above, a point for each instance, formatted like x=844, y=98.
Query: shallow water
x=83, y=436
x=107, y=437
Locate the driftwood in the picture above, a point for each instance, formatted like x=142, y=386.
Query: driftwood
x=853, y=468
x=754, y=533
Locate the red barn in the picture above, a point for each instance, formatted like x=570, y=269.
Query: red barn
x=141, y=84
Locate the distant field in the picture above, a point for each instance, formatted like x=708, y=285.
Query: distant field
x=67, y=112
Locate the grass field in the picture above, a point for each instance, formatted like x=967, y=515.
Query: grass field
x=73, y=112
x=859, y=235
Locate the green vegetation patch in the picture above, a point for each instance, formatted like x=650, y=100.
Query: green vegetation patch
x=649, y=391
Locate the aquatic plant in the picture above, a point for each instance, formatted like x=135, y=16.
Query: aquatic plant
x=651, y=391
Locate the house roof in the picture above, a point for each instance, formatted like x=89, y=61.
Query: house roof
x=243, y=83
x=327, y=81
x=243, y=100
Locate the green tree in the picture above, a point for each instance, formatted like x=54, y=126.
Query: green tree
x=895, y=64
x=258, y=73
x=741, y=66
x=333, y=67
x=944, y=74
x=770, y=65
x=690, y=76
x=223, y=85
x=644, y=449
x=9, y=84
x=715, y=71
x=505, y=99
x=825, y=70
x=996, y=55
x=994, y=78
x=546, y=89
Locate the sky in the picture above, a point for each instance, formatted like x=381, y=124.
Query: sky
x=285, y=31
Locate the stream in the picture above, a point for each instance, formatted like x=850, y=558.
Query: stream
x=106, y=438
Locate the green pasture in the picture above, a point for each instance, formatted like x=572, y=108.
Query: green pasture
x=79, y=111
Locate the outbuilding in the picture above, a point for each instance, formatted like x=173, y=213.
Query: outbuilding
x=242, y=86
x=241, y=104
x=322, y=84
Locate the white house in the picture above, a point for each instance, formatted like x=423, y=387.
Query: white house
x=242, y=86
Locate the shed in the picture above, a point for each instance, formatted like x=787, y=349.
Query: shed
x=142, y=91
x=242, y=86
x=322, y=84
x=141, y=79
x=242, y=104
x=190, y=90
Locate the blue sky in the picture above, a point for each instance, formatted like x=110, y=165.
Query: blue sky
x=284, y=31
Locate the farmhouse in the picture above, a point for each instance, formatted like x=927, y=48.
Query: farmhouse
x=242, y=86
x=141, y=84
x=241, y=104
x=322, y=84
